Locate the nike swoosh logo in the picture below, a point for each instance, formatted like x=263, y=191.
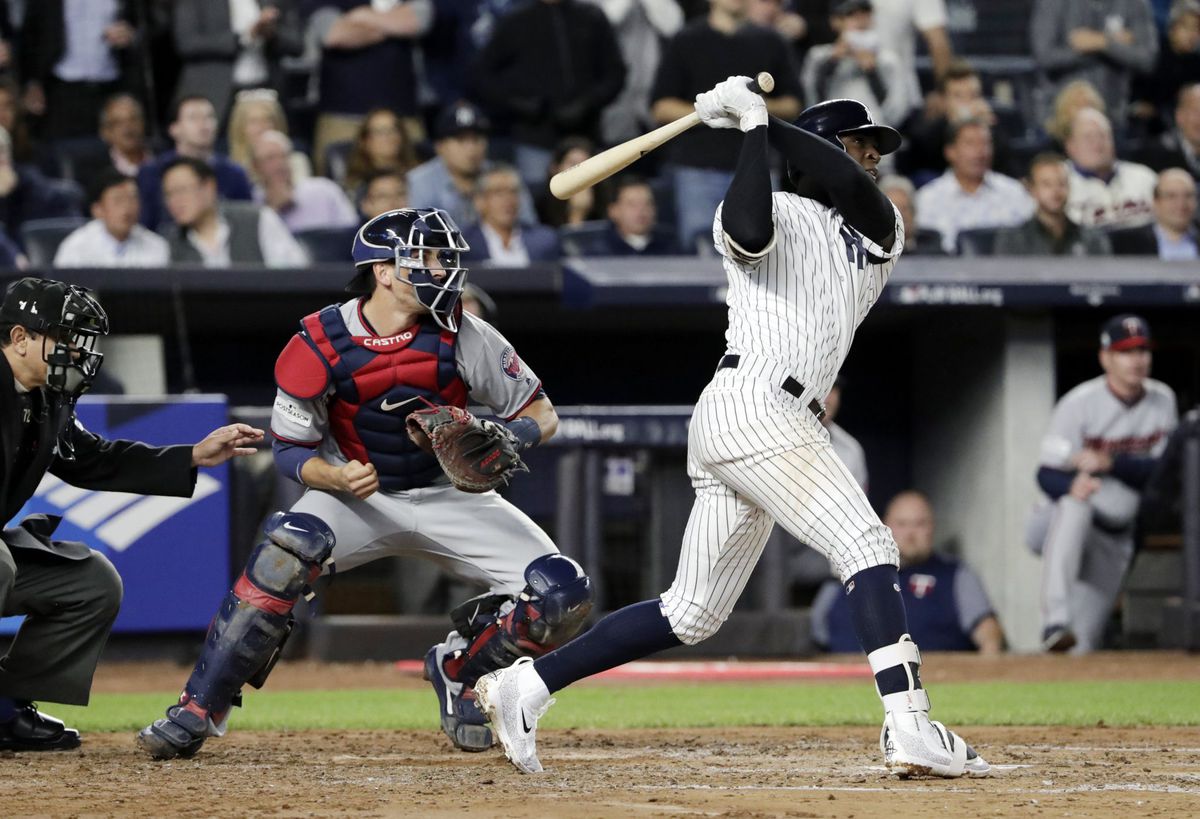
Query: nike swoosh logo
x=525, y=724
x=387, y=406
x=294, y=528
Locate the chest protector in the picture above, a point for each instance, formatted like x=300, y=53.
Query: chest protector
x=377, y=383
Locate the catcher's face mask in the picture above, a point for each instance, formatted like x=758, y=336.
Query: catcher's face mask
x=428, y=245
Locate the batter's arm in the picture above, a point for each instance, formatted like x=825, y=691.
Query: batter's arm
x=746, y=216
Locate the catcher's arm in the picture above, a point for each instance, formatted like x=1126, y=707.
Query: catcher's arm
x=545, y=422
x=359, y=479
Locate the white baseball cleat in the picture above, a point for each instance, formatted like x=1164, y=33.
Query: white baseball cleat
x=915, y=745
x=514, y=699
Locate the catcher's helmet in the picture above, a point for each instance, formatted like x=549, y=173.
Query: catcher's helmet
x=413, y=238
x=68, y=315
x=832, y=118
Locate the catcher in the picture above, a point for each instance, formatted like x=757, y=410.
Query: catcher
x=371, y=416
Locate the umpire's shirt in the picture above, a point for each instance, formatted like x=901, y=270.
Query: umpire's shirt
x=69, y=593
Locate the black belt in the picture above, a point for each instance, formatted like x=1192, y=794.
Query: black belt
x=789, y=385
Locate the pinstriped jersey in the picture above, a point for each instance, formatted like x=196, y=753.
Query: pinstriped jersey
x=800, y=301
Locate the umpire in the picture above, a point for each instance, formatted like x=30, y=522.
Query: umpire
x=68, y=593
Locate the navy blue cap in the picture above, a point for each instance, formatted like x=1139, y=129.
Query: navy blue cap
x=1125, y=332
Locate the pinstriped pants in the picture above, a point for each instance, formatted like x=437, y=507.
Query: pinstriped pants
x=758, y=456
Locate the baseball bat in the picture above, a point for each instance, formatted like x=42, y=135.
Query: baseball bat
x=566, y=184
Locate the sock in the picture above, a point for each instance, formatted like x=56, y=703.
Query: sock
x=627, y=634
x=879, y=620
x=9, y=708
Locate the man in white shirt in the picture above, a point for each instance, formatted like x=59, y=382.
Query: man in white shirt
x=209, y=234
x=113, y=238
x=500, y=239
x=1106, y=192
x=970, y=194
x=898, y=22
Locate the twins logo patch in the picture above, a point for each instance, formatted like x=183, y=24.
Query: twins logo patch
x=510, y=363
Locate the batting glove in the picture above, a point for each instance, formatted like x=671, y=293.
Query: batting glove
x=747, y=107
x=712, y=112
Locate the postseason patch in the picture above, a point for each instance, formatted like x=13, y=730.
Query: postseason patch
x=292, y=412
x=510, y=363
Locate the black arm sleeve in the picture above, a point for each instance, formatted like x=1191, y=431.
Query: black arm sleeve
x=1133, y=470
x=1055, y=482
x=746, y=216
x=850, y=188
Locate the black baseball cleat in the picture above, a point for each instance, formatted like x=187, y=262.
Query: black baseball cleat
x=32, y=730
x=462, y=721
x=1057, y=639
x=178, y=735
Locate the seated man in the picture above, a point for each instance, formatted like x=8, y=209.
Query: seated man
x=382, y=192
x=123, y=132
x=113, y=238
x=1050, y=232
x=500, y=239
x=209, y=233
x=312, y=202
x=948, y=609
x=904, y=196
x=1172, y=237
x=631, y=228
x=1180, y=146
x=1104, y=439
x=25, y=194
x=1106, y=192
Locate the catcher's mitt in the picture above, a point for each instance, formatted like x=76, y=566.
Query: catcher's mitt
x=476, y=455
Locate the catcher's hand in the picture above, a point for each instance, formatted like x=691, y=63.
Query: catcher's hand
x=476, y=455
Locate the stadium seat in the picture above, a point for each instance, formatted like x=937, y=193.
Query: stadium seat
x=327, y=244
x=576, y=238
x=977, y=242
x=42, y=237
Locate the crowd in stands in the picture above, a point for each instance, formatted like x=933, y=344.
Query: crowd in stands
x=264, y=131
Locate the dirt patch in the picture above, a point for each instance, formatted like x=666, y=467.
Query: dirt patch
x=702, y=772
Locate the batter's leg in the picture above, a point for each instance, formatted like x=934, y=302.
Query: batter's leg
x=1094, y=593
x=1062, y=555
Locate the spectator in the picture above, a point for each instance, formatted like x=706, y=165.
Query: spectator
x=383, y=191
x=229, y=46
x=314, y=202
x=1180, y=147
x=959, y=98
x=631, y=228
x=1102, y=41
x=781, y=17
x=1106, y=192
x=1050, y=232
x=209, y=233
x=1073, y=98
x=898, y=22
x=948, y=608
x=584, y=206
x=74, y=55
x=12, y=119
x=922, y=242
x=641, y=27
x=1178, y=66
x=706, y=51
x=857, y=66
x=970, y=194
x=113, y=237
x=499, y=238
x=448, y=181
x=25, y=194
x=367, y=62
x=381, y=144
x=256, y=111
x=556, y=90
x=1105, y=437
x=1172, y=237
x=123, y=132
x=194, y=130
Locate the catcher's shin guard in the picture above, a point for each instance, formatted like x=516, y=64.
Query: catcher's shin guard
x=244, y=638
x=550, y=610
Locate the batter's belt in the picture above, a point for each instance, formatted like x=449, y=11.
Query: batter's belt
x=790, y=385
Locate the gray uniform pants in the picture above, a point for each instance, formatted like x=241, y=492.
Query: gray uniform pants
x=69, y=607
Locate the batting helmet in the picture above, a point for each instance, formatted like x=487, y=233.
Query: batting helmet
x=832, y=118
x=413, y=238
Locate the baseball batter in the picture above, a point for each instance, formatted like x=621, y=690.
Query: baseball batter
x=1104, y=438
x=804, y=269
x=348, y=384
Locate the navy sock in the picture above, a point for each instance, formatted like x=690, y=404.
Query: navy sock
x=627, y=634
x=879, y=620
x=9, y=708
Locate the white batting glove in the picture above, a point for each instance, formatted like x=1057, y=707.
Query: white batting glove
x=712, y=112
x=739, y=101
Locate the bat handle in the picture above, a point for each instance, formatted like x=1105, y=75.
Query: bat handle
x=763, y=83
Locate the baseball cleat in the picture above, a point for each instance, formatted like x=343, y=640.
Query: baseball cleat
x=514, y=699
x=462, y=721
x=1057, y=639
x=178, y=735
x=914, y=745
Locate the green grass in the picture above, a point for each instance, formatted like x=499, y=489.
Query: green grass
x=656, y=706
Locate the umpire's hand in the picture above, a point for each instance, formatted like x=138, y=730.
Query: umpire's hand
x=224, y=443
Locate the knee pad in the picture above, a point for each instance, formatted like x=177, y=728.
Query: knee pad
x=245, y=637
x=550, y=610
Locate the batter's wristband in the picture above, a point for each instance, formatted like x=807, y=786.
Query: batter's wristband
x=527, y=431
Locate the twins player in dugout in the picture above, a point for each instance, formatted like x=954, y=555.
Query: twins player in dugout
x=69, y=594
x=1105, y=436
x=347, y=382
x=803, y=269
